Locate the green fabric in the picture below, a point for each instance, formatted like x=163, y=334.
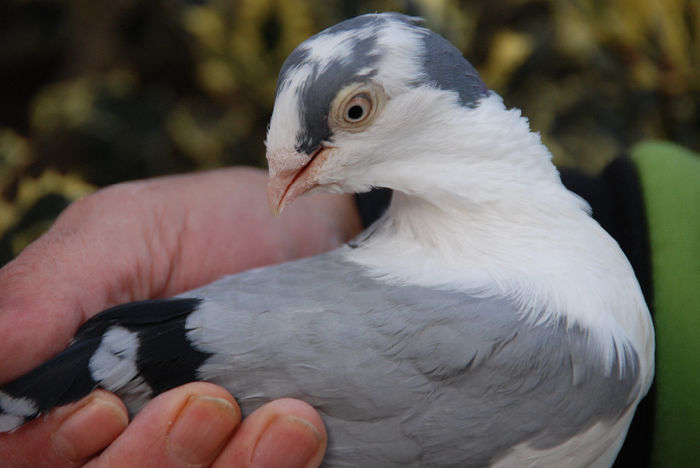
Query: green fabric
x=670, y=178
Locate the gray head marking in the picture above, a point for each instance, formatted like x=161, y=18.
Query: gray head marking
x=351, y=51
x=446, y=68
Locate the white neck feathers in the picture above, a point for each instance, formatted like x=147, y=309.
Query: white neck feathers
x=492, y=218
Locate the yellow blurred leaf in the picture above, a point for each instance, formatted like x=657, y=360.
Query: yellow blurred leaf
x=216, y=76
x=509, y=50
x=206, y=25
x=69, y=185
x=30, y=190
x=574, y=35
x=14, y=153
x=192, y=139
x=62, y=105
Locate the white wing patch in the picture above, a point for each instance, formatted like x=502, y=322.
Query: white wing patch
x=16, y=409
x=113, y=365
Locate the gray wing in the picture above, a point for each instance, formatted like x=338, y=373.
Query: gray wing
x=404, y=374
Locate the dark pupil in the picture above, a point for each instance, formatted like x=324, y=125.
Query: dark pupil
x=355, y=112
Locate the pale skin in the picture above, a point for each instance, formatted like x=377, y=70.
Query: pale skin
x=149, y=239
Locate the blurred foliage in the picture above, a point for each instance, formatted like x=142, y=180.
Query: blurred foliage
x=97, y=92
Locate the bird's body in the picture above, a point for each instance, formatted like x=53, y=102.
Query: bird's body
x=485, y=319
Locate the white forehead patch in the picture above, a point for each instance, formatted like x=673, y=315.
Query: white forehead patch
x=325, y=48
x=401, y=45
x=285, y=122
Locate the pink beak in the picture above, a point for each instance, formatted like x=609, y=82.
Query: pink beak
x=291, y=175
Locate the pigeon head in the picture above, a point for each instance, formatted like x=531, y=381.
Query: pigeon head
x=356, y=96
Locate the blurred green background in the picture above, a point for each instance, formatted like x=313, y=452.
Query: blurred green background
x=98, y=92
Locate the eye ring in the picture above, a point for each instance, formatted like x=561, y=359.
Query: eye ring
x=356, y=106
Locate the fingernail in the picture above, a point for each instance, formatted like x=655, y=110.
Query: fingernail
x=201, y=428
x=89, y=429
x=287, y=442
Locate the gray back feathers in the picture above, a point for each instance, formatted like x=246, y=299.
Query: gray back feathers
x=393, y=361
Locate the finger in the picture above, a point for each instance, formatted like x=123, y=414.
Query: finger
x=285, y=433
x=68, y=435
x=186, y=426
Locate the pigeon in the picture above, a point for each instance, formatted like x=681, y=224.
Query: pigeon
x=484, y=320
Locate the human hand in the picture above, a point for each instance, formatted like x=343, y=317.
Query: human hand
x=143, y=240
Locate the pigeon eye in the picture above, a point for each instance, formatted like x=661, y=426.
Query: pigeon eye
x=356, y=106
